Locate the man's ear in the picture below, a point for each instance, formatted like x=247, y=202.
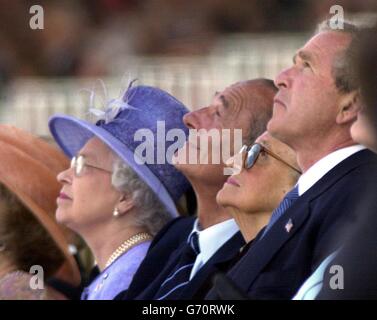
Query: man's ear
x=350, y=105
x=125, y=204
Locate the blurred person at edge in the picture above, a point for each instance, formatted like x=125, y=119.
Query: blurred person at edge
x=364, y=130
x=29, y=234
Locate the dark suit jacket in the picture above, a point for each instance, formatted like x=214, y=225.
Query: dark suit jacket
x=221, y=261
x=158, y=264
x=277, y=265
x=163, y=245
x=358, y=257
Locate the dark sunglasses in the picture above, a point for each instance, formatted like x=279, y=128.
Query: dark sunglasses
x=252, y=152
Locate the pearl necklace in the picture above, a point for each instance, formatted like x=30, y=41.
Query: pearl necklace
x=126, y=245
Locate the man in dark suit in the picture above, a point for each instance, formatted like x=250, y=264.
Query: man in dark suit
x=313, y=112
x=188, y=251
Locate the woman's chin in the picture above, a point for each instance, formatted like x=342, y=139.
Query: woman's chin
x=61, y=216
x=225, y=198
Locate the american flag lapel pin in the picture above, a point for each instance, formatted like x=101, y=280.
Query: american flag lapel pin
x=288, y=227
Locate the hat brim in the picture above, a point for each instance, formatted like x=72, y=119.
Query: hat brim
x=56, y=233
x=20, y=149
x=71, y=134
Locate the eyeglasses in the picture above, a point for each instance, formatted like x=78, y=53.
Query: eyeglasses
x=253, y=152
x=78, y=164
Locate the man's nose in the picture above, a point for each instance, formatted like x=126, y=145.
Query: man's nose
x=198, y=119
x=189, y=120
x=283, y=79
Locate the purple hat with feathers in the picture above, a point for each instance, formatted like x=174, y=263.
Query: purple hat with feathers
x=141, y=107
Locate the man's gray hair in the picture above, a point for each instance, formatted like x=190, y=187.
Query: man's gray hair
x=342, y=69
x=151, y=213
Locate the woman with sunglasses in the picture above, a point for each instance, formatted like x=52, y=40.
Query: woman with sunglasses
x=263, y=173
x=111, y=197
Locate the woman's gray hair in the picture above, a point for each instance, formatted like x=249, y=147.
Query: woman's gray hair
x=151, y=213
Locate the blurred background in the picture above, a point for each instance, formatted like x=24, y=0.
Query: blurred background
x=191, y=48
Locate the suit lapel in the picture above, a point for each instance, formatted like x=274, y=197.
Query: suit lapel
x=163, y=245
x=223, y=255
x=151, y=290
x=263, y=250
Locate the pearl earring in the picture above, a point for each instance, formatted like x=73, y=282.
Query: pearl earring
x=2, y=246
x=116, y=212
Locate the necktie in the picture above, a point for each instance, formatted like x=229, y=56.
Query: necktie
x=288, y=200
x=180, y=276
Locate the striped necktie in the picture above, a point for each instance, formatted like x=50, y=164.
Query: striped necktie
x=288, y=200
x=171, y=288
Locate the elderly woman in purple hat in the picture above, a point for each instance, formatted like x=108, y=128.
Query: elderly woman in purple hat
x=111, y=195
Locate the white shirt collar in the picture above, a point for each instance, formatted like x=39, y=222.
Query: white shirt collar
x=321, y=167
x=211, y=239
